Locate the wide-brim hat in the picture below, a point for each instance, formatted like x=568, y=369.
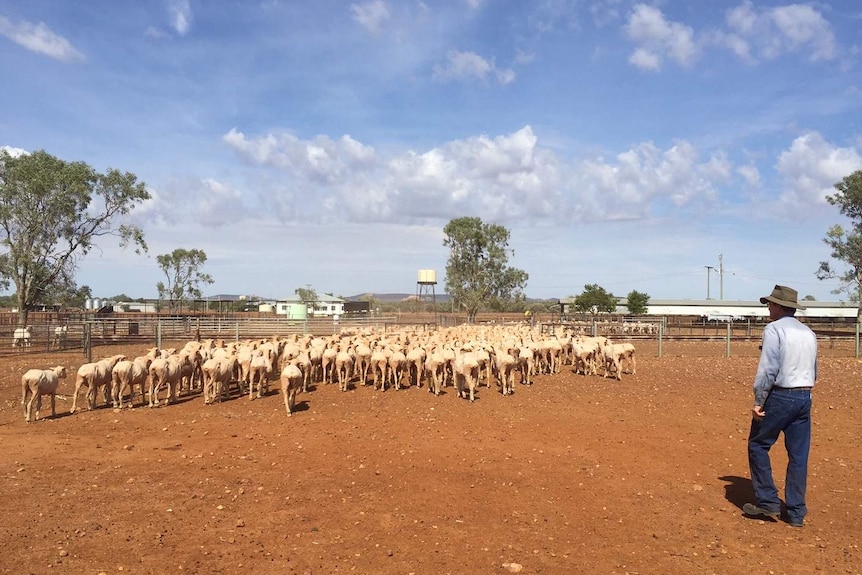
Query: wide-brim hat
x=783, y=296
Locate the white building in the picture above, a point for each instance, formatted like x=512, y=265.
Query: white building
x=724, y=310
x=327, y=306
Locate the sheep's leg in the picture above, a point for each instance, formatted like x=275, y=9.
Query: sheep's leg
x=92, y=392
x=28, y=406
x=291, y=399
x=154, y=393
x=75, y=399
x=38, y=404
x=53, y=405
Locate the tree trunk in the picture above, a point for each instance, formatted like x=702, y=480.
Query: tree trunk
x=23, y=312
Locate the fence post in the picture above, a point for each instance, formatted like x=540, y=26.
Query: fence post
x=88, y=349
x=728, y=339
x=857, y=340
x=660, y=333
x=159, y=334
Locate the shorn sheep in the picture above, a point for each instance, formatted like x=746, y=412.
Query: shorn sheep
x=94, y=376
x=21, y=337
x=58, y=341
x=614, y=356
x=38, y=382
x=128, y=375
x=291, y=383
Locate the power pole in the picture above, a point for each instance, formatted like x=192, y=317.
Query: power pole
x=721, y=279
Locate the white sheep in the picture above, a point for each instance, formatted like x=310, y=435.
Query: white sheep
x=466, y=369
x=343, y=368
x=128, y=374
x=505, y=365
x=260, y=367
x=21, y=337
x=435, y=366
x=38, y=382
x=291, y=383
x=218, y=373
x=614, y=356
x=397, y=365
x=93, y=376
x=60, y=335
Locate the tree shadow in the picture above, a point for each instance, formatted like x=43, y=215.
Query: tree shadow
x=738, y=490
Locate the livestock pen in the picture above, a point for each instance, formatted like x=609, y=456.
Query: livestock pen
x=85, y=331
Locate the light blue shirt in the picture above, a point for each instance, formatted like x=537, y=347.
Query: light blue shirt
x=788, y=357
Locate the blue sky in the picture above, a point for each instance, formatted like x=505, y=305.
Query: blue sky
x=327, y=143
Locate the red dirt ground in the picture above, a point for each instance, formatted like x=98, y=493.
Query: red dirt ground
x=571, y=475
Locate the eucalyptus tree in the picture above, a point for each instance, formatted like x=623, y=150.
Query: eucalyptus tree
x=51, y=213
x=477, y=272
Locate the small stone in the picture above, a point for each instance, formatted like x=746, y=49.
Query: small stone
x=513, y=567
x=64, y=553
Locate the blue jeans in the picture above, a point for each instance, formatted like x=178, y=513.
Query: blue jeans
x=790, y=412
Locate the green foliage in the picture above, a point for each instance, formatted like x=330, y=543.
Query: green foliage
x=637, y=302
x=182, y=268
x=307, y=295
x=477, y=272
x=846, y=245
x=51, y=212
x=595, y=300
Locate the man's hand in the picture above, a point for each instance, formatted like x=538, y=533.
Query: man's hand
x=757, y=412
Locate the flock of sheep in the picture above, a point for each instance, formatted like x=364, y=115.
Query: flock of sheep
x=462, y=357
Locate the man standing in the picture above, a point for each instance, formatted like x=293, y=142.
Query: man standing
x=782, y=402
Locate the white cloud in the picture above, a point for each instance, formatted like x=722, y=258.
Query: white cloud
x=371, y=15
x=752, y=34
x=180, y=12
x=810, y=168
x=14, y=152
x=319, y=160
x=469, y=65
x=768, y=33
x=185, y=201
x=647, y=176
x=645, y=60
x=40, y=39
x=154, y=32
x=657, y=38
x=751, y=175
x=524, y=58
x=605, y=11
x=504, y=178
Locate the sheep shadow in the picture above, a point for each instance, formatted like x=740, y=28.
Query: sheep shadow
x=738, y=490
x=300, y=406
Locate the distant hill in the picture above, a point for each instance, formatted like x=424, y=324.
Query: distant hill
x=393, y=297
x=397, y=297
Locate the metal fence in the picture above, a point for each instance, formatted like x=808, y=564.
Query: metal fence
x=51, y=331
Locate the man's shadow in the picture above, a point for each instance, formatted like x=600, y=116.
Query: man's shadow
x=738, y=490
